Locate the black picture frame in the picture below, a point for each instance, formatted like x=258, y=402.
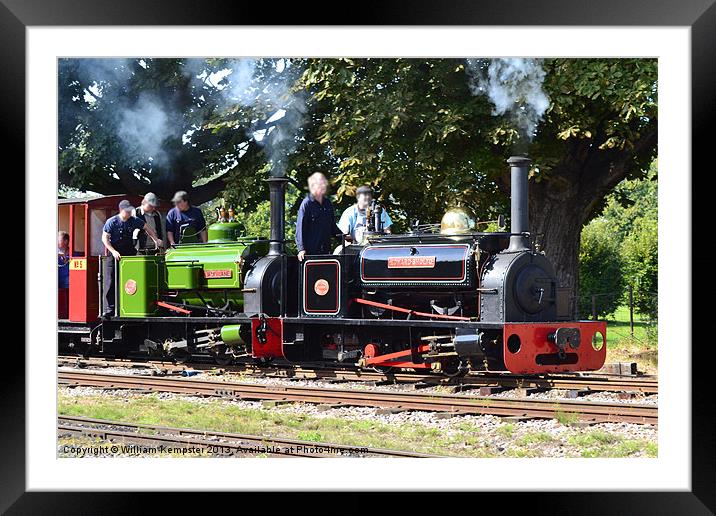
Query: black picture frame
x=699, y=15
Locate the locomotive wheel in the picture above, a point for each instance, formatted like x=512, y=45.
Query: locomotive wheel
x=455, y=368
x=83, y=349
x=179, y=355
x=222, y=355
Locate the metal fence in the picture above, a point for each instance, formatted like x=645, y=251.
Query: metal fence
x=606, y=304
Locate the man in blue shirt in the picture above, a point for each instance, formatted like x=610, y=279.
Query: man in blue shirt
x=353, y=220
x=117, y=237
x=316, y=222
x=185, y=223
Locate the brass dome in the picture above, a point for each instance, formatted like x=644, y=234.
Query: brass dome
x=457, y=221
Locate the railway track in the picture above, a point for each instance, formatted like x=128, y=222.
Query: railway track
x=578, y=382
x=595, y=412
x=154, y=438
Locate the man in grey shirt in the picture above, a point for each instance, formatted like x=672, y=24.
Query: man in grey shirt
x=149, y=213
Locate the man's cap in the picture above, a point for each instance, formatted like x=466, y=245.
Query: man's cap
x=151, y=199
x=365, y=189
x=181, y=195
x=125, y=205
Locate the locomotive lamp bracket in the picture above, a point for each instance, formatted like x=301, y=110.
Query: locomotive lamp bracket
x=261, y=330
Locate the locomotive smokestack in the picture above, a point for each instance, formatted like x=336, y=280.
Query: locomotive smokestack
x=277, y=197
x=519, y=213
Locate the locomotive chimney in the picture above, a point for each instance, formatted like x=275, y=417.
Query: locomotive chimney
x=519, y=167
x=277, y=197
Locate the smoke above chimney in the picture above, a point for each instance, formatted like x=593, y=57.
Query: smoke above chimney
x=515, y=89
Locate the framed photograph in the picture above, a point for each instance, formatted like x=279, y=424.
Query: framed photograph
x=435, y=247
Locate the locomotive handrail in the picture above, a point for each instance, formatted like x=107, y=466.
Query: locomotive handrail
x=440, y=237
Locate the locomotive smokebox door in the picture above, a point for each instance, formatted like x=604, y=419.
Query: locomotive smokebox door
x=322, y=289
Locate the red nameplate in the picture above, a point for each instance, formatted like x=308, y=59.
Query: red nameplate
x=219, y=273
x=411, y=262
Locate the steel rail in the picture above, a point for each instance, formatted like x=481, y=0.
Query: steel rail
x=596, y=412
x=220, y=442
x=584, y=382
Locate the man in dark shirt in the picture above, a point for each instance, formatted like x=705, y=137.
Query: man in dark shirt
x=117, y=238
x=185, y=223
x=316, y=222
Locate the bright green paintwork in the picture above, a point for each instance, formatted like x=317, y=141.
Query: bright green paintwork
x=210, y=257
x=230, y=334
x=145, y=271
x=205, y=258
x=183, y=275
x=224, y=232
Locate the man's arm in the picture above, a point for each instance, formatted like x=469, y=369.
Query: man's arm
x=109, y=246
x=201, y=223
x=386, y=222
x=170, y=228
x=344, y=223
x=337, y=230
x=299, y=231
x=153, y=235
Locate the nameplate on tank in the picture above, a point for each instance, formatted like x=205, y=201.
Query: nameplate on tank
x=217, y=273
x=416, y=265
x=411, y=262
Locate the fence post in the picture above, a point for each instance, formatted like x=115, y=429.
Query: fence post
x=631, y=310
x=594, y=307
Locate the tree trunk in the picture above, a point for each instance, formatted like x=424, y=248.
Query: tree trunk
x=556, y=224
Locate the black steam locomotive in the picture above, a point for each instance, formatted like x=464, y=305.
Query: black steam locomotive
x=448, y=301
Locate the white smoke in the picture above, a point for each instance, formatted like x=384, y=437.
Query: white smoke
x=144, y=127
x=514, y=86
x=270, y=94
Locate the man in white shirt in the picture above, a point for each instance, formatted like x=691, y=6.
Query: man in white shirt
x=353, y=221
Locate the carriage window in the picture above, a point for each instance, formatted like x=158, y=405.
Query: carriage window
x=97, y=219
x=78, y=231
x=63, y=218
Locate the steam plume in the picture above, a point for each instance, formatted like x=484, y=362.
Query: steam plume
x=514, y=86
x=272, y=95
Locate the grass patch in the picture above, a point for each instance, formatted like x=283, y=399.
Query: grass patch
x=310, y=436
x=223, y=417
x=506, y=430
x=597, y=443
x=566, y=418
x=534, y=438
x=642, y=347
